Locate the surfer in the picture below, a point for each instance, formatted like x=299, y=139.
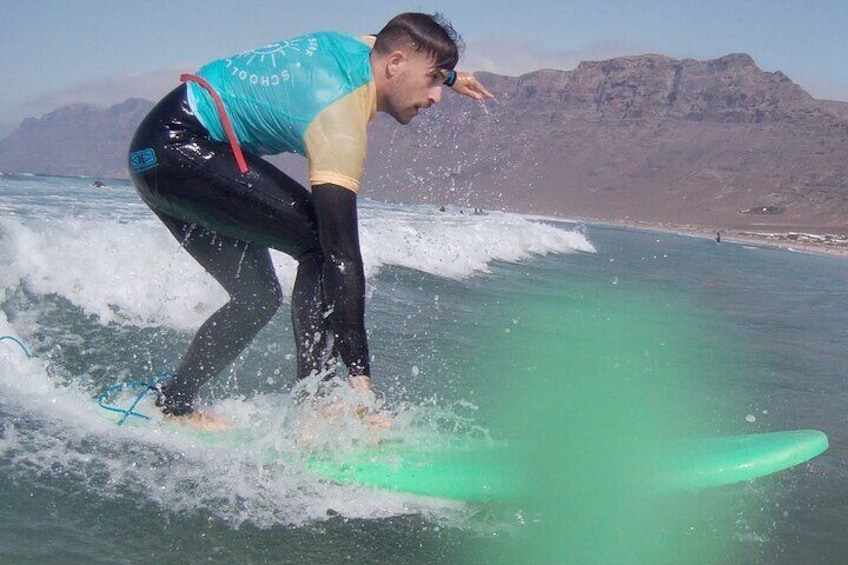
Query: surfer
x=195, y=160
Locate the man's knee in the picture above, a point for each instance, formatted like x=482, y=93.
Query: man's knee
x=310, y=255
x=260, y=303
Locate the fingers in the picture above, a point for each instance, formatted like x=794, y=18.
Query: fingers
x=479, y=89
x=468, y=85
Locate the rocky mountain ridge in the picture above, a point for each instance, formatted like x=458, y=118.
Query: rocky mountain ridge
x=77, y=140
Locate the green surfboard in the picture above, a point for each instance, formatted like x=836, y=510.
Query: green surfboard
x=475, y=470
x=714, y=462
x=460, y=469
x=478, y=469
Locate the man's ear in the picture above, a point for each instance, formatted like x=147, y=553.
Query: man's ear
x=395, y=62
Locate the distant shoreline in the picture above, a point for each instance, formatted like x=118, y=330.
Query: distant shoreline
x=793, y=241
x=798, y=241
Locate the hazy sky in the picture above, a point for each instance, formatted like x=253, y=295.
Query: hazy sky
x=57, y=52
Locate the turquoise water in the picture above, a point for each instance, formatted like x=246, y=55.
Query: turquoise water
x=597, y=343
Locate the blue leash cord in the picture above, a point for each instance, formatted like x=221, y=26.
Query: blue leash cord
x=103, y=398
x=16, y=340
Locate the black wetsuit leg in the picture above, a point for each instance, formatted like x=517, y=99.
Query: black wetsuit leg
x=227, y=221
x=247, y=274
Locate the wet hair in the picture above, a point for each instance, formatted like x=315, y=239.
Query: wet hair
x=432, y=34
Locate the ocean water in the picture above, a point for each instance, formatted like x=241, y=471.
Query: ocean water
x=597, y=344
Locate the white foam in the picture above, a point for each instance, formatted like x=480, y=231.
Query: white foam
x=59, y=431
x=458, y=245
x=125, y=267
x=117, y=272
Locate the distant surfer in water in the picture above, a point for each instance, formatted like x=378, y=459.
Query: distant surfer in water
x=195, y=160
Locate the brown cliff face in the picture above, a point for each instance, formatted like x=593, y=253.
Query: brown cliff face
x=731, y=89
x=715, y=143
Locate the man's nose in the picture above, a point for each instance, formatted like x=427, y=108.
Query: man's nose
x=435, y=94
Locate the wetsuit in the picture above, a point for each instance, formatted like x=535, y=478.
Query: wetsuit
x=313, y=95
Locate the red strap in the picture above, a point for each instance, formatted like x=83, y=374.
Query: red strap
x=225, y=119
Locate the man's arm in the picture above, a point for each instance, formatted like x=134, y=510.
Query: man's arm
x=344, y=275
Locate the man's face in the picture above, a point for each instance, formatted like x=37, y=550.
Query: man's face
x=415, y=83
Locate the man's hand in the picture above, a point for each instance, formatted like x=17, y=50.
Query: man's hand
x=469, y=86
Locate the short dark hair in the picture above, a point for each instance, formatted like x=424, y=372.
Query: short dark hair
x=432, y=34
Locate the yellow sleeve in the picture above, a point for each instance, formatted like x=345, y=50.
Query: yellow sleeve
x=336, y=141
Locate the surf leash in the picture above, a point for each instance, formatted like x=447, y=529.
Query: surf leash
x=104, y=401
x=21, y=345
x=223, y=116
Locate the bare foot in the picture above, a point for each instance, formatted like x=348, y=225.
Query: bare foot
x=375, y=420
x=201, y=421
x=378, y=421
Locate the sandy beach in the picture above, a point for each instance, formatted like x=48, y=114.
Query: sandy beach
x=808, y=241
x=826, y=244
